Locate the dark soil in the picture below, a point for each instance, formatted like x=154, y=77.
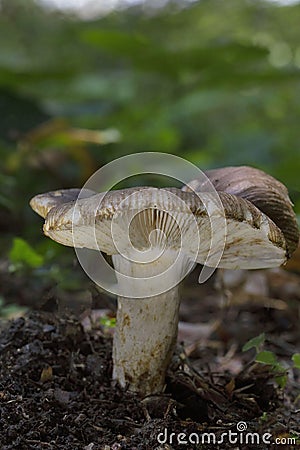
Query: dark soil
x=56, y=390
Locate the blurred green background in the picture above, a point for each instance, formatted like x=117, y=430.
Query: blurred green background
x=216, y=82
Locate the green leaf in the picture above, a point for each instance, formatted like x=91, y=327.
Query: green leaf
x=255, y=342
x=266, y=357
x=264, y=416
x=118, y=42
x=109, y=322
x=22, y=252
x=296, y=360
x=281, y=381
x=281, y=378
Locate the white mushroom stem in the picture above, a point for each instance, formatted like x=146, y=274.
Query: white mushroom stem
x=146, y=329
x=144, y=341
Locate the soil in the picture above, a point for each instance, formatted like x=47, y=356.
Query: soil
x=55, y=375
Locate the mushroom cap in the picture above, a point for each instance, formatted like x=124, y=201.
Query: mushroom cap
x=43, y=203
x=265, y=192
x=182, y=221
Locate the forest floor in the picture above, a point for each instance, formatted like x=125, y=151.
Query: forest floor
x=55, y=374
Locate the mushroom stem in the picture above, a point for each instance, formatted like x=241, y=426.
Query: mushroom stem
x=147, y=318
x=144, y=341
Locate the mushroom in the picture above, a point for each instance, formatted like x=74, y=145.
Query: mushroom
x=155, y=237
x=265, y=192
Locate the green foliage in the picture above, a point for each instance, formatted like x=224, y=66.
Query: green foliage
x=181, y=80
x=279, y=371
x=109, y=322
x=264, y=417
x=255, y=342
x=267, y=357
x=296, y=360
x=22, y=253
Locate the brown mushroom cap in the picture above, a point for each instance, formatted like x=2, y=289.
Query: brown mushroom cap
x=43, y=203
x=252, y=240
x=265, y=192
